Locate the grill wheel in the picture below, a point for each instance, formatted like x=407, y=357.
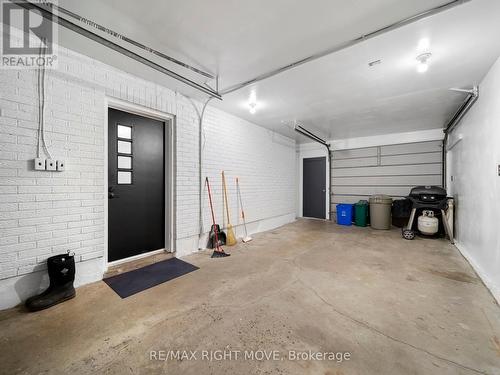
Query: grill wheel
x=408, y=234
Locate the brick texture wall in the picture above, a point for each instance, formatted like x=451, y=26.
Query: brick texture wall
x=43, y=213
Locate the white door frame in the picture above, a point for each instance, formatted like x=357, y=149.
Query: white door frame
x=169, y=120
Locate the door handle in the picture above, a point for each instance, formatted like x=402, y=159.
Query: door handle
x=111, y=193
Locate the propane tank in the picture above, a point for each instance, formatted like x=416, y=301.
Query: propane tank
x=427, y=223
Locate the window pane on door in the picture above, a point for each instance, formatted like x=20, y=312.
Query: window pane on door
x=124, y=162
x=124, y=147
x=124, y=178
x=124, y=132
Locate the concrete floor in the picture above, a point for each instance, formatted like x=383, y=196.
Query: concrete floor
x=398, y=307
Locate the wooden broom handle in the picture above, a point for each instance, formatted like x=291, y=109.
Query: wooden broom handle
x=225, y=198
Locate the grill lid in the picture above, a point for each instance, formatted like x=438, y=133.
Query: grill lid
x=428, y=193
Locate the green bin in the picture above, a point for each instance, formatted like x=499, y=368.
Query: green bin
x=361, y=214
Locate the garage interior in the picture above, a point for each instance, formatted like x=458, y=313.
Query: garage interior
x=258, y=188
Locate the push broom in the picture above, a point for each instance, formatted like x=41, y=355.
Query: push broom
x=218, y=250
x=247, y=238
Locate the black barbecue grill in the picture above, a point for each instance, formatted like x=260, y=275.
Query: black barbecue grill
x=432, y=198
x=429, y=197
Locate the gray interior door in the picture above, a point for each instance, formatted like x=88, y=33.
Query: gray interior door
x=136, y=185
x=314, y=189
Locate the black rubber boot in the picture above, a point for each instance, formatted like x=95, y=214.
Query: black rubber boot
x=61, y=269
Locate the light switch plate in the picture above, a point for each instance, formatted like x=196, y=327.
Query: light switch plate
x=39, y=164
x=50, y=165
x=61, y=165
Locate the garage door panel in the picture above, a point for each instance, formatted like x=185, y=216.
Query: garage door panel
x=393, y=191
x=387, y=180
x=397, y=170
x=351, y=163
x=412, y=148
x=431, y=157
x=355, y=153
x=391, y=170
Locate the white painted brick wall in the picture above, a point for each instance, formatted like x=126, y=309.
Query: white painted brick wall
x=43, y=213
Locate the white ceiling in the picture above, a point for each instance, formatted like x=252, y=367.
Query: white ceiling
x=339, y=95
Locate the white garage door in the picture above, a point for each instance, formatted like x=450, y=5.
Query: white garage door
x=392, y=170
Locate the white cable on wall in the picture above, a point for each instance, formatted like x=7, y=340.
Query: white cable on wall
x=40, y=115
x=201, y=148
x=41, y=107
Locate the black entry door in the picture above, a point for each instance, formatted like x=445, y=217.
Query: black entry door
x=136, y=185
x=314, y=191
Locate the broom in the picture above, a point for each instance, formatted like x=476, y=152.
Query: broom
x=247, y=238
x=218, y=250
x=231, y=238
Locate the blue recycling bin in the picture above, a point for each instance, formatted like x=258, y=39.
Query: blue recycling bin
x=344, y=214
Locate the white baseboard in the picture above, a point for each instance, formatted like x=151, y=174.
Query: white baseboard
x=490, y=284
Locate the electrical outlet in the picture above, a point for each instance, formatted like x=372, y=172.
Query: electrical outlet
x=61, y=165
x=50, y=165
x=39, y=164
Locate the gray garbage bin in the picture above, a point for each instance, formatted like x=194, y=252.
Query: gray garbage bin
x=380, y=211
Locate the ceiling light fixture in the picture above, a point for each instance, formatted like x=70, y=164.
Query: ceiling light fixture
x=423, y=62
x=253, y=108
x=252, y=103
